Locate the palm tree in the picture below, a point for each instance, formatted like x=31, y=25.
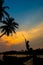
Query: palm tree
x=2, y=10
x=9, y=26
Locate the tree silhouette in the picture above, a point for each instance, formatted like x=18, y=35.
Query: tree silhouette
x=9, y=26
x=2, y=10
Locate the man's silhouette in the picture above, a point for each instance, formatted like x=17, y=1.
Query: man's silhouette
x=27, y=45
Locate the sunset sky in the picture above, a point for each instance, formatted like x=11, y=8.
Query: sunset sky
x=29, y=15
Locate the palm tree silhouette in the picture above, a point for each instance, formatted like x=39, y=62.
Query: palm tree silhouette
x=9, y=26
x=2, y=10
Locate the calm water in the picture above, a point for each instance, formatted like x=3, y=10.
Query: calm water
x=26, y=63
x=30, y=62
x=1, y=56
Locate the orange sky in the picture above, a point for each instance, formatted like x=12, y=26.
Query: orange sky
x=34, y=35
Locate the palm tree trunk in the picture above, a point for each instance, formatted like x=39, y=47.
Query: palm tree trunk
x=2, y=34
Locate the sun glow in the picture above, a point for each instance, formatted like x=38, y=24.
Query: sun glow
x=15, y=38
x=20, y=36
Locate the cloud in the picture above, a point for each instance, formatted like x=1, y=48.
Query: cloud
x=17, y=41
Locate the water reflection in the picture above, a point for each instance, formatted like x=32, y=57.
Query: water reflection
x=1, y=57
x=15, y=55
x=29, y=62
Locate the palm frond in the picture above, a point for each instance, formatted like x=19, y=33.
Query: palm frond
x=9, y=26
x=1, y=15
x=4, y=22
x=2, y=10
x=1, y=2
x=6, y=7
x=6, y=13
x=16, y=26
x=4, y=26
x=2, y=30
x=14, y=23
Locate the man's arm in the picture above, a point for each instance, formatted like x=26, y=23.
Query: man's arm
x=25, y=40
